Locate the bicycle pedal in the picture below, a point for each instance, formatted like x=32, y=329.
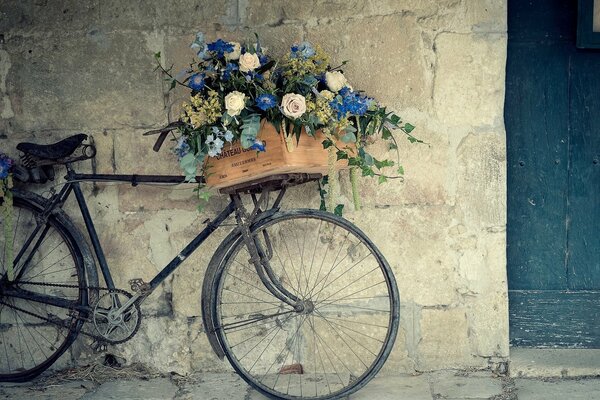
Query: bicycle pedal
x=138, y=285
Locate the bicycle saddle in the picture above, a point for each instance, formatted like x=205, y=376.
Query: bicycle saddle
x=55, y=151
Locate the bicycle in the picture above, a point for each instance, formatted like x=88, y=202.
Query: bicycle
x=300, y=302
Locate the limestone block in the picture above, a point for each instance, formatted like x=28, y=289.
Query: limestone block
x=16, y=15
x=265, y=12
x=188, y=278
x=388, y=66
x=481, y=187
x=161, y=343
x=105, y=155
x=427, y=176
x=134, y=155
x=93, y=80
x=445, y=340
x=193, y=15
x=416, y=249
x=486, y=15
x=469, y=79
x=68, y=15
x=203, y=357
x=485, y=294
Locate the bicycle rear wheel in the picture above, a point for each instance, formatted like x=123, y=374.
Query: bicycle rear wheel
x=41, y=308
x=342, y=332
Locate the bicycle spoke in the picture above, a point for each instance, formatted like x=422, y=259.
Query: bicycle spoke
x=322, y=344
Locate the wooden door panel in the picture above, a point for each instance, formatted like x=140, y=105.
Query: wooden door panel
x=536, y=103
x=584, y=173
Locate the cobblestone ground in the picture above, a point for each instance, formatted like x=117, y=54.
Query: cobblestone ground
x=132, y=383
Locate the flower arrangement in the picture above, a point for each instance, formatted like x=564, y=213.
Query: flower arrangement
x=6, y=204
x=234, y=86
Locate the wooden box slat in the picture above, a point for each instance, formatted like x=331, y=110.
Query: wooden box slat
x=236, y=165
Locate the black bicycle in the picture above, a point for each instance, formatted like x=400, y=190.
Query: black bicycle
x=300, y=302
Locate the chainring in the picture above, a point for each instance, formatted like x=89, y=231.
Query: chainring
x=112, y=326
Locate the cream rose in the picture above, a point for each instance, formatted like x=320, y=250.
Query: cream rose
x=335, y=80
x=235, y=54
x=249, y=62
x=293, y=105
x=235, y=103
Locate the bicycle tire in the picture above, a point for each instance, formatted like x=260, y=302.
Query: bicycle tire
x=362, y=327
x=30, y=343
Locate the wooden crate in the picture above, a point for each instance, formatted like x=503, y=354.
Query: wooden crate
x=236, y=165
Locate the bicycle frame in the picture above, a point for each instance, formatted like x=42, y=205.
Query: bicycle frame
x=259, y=255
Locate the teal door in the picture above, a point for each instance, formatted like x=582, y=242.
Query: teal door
x=552, y=115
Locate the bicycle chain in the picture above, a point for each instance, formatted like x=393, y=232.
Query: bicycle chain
x=89, y=320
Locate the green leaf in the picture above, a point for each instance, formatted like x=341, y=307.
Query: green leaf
x=383, y=163
x=327, y=143
x=338, y=210
x=341, y=155
x=173, y=84
x=394, y=119
x=250, y=128
x=369, y=160
x=408, y=128
x=386, y=133
x=157, y=55
x=204, y=195
x=400, y=170
x=189, y=164
x=382, y=179
x=349, y=137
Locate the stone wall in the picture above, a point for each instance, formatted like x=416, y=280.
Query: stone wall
x=71, y=66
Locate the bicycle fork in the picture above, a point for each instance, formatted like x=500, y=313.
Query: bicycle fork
x=260, y=257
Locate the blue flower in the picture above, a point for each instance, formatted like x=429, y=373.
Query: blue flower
x=229, y=68
x=258, y=145
x=349, y=102
x=182, y=148
x=5, y=165
x=215, y=145
x=196, y=82
x=200, y=46
x=304, y=50
x=220, y=47
x=266, y=101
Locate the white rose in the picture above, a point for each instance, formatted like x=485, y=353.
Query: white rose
x=235, y=54
x=335, y=80
x=293, y=105
x=249, y=62
x=235, y=103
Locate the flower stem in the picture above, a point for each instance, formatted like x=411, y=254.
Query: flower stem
x=354, y=172
x=333, y=178
x=354, y=183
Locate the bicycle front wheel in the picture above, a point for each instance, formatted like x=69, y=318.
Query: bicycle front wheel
x=42, y=302
x=341, y=329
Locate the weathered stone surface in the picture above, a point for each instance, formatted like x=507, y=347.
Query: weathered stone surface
x=65, y=391
x=155, y=389
x=389, y=388
x=390, y=52
x=444, y=339
x=469, y=64
x=428, y=180
x=103, y=80
x=557, y=390
x=450, y=385
x=424, y=266
x=481, y=192
x=484, y=292
x=68, y=66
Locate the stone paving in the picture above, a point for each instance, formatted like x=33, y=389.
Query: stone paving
x=451, y=385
